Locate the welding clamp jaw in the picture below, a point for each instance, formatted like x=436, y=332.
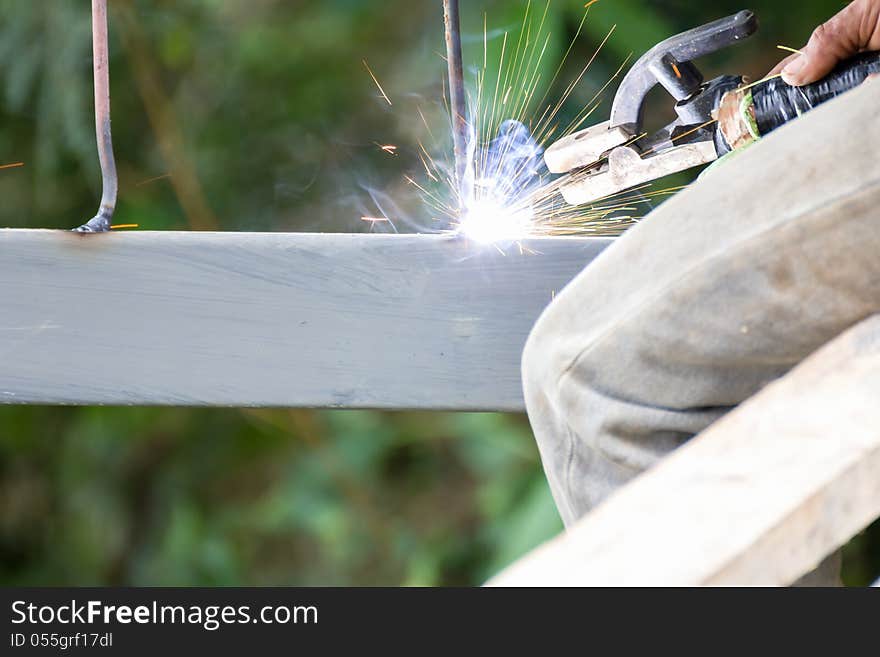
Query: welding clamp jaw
x=617, y=155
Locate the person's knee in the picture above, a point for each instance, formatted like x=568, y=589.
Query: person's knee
x=543, y=363
x=569, y=414
x=534, y=374
x=560, y=365
x=585, y=398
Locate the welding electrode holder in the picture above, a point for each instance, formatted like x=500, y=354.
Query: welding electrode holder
x=670, y=64
x=612, y=153
x=714, y=117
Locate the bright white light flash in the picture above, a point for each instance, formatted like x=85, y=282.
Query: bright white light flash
x=489, y=221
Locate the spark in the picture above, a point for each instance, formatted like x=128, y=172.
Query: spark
x=379, y=220
x=509, y=196
x=391, y=149
x=757, y=82
x=381, y=90
x=13, y=165
x=787, y=49
x=510, y=199
x=485, y=39
x=152, y=180
x=119, y=226
x=683, y=134
x=425, y=121
x=426, y=158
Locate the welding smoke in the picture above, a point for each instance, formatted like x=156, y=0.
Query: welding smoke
x=510, y=167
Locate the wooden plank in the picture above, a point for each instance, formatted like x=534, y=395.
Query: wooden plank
x=759, y=498
x=272, y=319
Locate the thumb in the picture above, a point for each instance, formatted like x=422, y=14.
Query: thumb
x=853, y=30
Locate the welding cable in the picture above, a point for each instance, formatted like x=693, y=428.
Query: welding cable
x=748, y=113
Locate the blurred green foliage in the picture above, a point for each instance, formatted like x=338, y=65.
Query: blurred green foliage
x=260, y=115
x=176, y=496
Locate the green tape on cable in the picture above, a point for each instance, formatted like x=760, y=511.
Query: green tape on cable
x=747, y=112
x=747, y=116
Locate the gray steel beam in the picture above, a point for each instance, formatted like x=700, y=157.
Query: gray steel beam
x=272, y=319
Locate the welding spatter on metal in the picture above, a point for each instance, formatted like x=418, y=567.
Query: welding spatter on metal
x=100, y=48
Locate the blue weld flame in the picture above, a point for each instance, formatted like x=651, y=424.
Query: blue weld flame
x=501, y=177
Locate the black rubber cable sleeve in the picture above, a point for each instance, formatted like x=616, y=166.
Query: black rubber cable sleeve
x=776, y=103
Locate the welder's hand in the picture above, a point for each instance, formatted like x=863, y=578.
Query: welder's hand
x=855, y=29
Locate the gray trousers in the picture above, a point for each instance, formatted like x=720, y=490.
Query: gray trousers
x=723, y=289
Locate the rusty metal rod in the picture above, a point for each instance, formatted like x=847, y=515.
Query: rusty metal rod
x=457, y=102
x=100, y=49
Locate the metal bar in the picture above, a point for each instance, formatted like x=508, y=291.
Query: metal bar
x=100, y=49
x=457, y=101
x=272, y=319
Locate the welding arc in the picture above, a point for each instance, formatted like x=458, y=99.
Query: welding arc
x=100, y=48
x=457, y=101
